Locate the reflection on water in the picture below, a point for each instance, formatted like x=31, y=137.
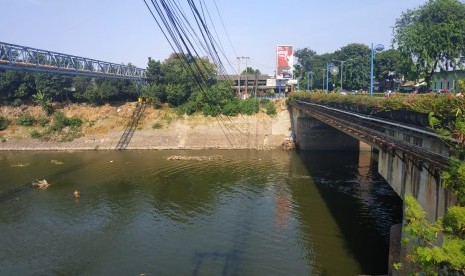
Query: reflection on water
x=248, y=213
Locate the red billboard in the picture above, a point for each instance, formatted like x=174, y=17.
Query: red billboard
x=284, y=61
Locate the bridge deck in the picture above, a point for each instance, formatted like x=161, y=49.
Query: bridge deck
x=408, y=141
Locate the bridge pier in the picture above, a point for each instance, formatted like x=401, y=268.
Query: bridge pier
x=313, y=134
x=420, y=179
x=409, y=158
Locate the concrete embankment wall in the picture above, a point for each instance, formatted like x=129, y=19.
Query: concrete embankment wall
x=189, y=132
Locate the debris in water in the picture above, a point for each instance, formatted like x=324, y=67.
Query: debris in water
x=76, y=194
x=41, y=184
x=196, y=158
x=56, y=162
x=20, y=165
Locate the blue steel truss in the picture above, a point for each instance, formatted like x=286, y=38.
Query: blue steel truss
x=18, y=57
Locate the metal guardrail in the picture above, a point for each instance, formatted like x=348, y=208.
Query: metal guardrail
x=16, y=57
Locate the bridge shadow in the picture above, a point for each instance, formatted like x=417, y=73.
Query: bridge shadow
x=362, y=203
x=131, y=127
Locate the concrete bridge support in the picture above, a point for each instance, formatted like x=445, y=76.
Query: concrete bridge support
x=397, y=163
x=407, y=176
x=409, y=160
x=313, y=134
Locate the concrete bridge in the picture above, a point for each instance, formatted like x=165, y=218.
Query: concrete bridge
x=410, y=157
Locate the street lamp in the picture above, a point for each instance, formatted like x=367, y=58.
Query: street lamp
x=309, y=74
x=378, y=48
x=342, y=66
x=330, y=68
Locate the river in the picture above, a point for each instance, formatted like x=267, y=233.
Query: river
x=235, y=213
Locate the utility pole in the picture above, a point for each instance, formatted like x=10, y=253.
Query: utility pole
x=246, y=74
x=239, y=74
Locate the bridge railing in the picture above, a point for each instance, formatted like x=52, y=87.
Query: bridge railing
x=18, y=57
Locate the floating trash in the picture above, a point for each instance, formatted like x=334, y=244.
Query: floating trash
x=56, y=162
x=196, y=158
x=20, y=165
x=41, y=184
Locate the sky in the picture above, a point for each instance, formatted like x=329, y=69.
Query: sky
x=123, y=31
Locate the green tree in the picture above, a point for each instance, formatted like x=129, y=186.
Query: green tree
x=16, y=85
x=251, y=71
x=44, y=101
x=306, y=59
x=356, y=73
x=433, y=36
x=182, y=75
x=54, y=86
x=319, y=69
x=154, y=71
x=392, y=67
x=305, y=63
x=434, y=248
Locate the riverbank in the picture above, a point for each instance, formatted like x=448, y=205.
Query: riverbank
x=158, y=129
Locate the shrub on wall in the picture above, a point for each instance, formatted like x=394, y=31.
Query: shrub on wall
x=3, y=123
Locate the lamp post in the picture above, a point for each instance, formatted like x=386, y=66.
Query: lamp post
x=327, y=77
x=330, y=68
x=378, y=48
x=342, y=66
x=309, y=75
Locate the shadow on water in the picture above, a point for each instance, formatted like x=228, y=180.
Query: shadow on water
x=362, y=203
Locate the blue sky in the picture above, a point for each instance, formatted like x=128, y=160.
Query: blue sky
x=123, y=31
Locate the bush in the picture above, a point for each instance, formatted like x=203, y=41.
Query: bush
x=17, y=102
x=157, y=126
x=26, y=120
x=4, y=123
x=269, y=107
x=74, y=122
x=232, y=109
x=188, y=108
x=43, y=121
x=209, y=110
x=60, y=121
x=36, y=135
x=249, y=106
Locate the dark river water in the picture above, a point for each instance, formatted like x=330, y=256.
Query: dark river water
x=240, y=213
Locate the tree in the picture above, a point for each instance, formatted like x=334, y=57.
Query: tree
x=154, y=72
x=251, y=71
x=391, y=67
x=16, y=85
x=305, y=63
x=44, y=101
x=356, y=73
x=179, y=76
x=434, y=248
x=433, y=36
x=306, y=59
x=54, y=86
